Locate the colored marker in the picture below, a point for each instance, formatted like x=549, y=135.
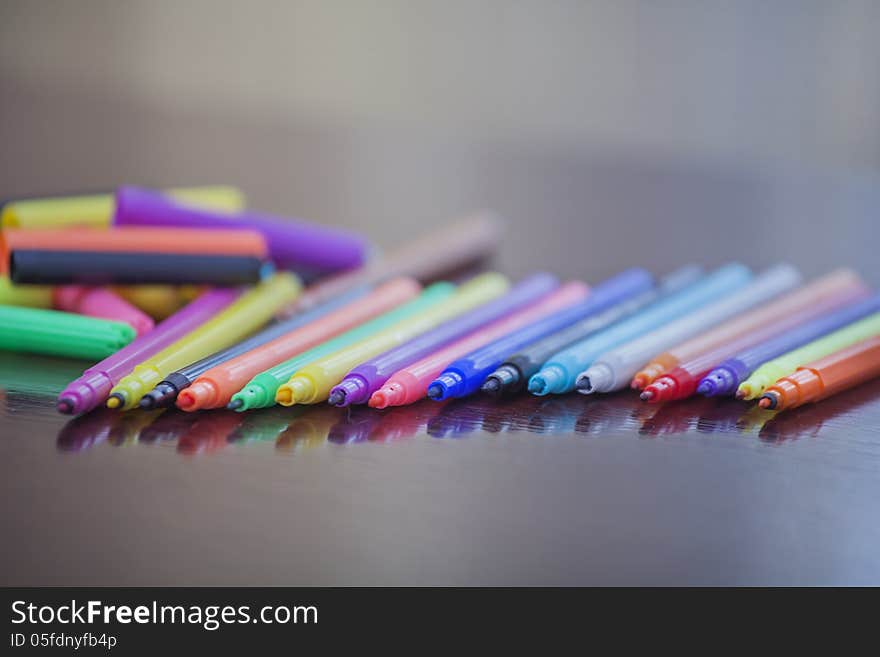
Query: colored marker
x=726, y=377
x=102, y=303
x=136, y=239
x=442, y=251
x=291, y=243
x=682, y=381
x=41, y=331
x=410, y=384
x=825, y=377
x=559, y=373
x=787, y=363
x=261, y=390
x=167, y=390
x=610, y=295
x=466, y=375
x=93, y=387
x=368, y=377
x=824, y=294
x=250, y=311
x=312, y=383
x=615, y=369
x=104, y=268
x=96, y=210
x=158, y=301
x=32, y=296
x=751, y=328
x=215, y=386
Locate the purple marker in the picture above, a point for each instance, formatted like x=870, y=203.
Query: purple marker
x=93, y=387
x=726, y=377
x=366, y=378
x=292, y=244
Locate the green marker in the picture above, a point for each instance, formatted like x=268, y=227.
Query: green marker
x=260, y=391
x=773, y=370
x=57, y=333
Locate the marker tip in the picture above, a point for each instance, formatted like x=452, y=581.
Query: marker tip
x=64, y=406
x=147, y=403
x=647, y=395
x=115, y=400
x=235, y=404
x=336, y=398
x=491, y=386
x=768, y=402
x=435, y=391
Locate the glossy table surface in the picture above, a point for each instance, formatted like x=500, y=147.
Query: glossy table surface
x=567, y=490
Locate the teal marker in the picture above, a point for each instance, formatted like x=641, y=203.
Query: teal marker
x=260, y=391
x=559, y=373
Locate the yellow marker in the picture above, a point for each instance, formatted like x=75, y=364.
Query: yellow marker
x=773, y=370
x=312, y=383
x=32, y=296
x=245, y=315
x=97, y=209
x=158, y=301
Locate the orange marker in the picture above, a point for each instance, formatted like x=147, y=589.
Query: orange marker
x=135, y=239
x=831, y=291
x=825, y=377
x=215, y=387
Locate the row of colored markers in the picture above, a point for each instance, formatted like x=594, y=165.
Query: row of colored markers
x=373, y=335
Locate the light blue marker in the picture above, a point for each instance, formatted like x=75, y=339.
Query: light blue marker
x=558, y=374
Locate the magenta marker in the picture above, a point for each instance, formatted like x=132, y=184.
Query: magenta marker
x=292, y=244
x=368, y=377
x=93, y=387
x=101, y=302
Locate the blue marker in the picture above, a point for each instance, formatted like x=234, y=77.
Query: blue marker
x=726, y=377
x=467, y=374
x=560, y=372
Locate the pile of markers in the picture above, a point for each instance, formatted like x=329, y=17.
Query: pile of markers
x=88, y=277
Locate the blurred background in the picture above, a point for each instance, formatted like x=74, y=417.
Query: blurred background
x=607, y=133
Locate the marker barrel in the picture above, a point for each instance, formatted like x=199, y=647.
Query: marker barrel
x=241, y=318
x=610, y=295
x=444, y=250
x=102, y=303
x=261, y=390
x=32, y=296
x=787, y=363
x=107, y=268
x=615, y=369
x=795, y=307
x=466, y=375
x=558, y=375
x=827, y=376
x=93, y=387
x=292, y=243
x=725, y=378
x=96, y=210
x=365, y=379
x=166, y=391
x=54, y=332
x=313, y=383
x=214, y=387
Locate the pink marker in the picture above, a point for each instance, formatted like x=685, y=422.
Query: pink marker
x=101, y=302
x=92, y=388
x=410, y=384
